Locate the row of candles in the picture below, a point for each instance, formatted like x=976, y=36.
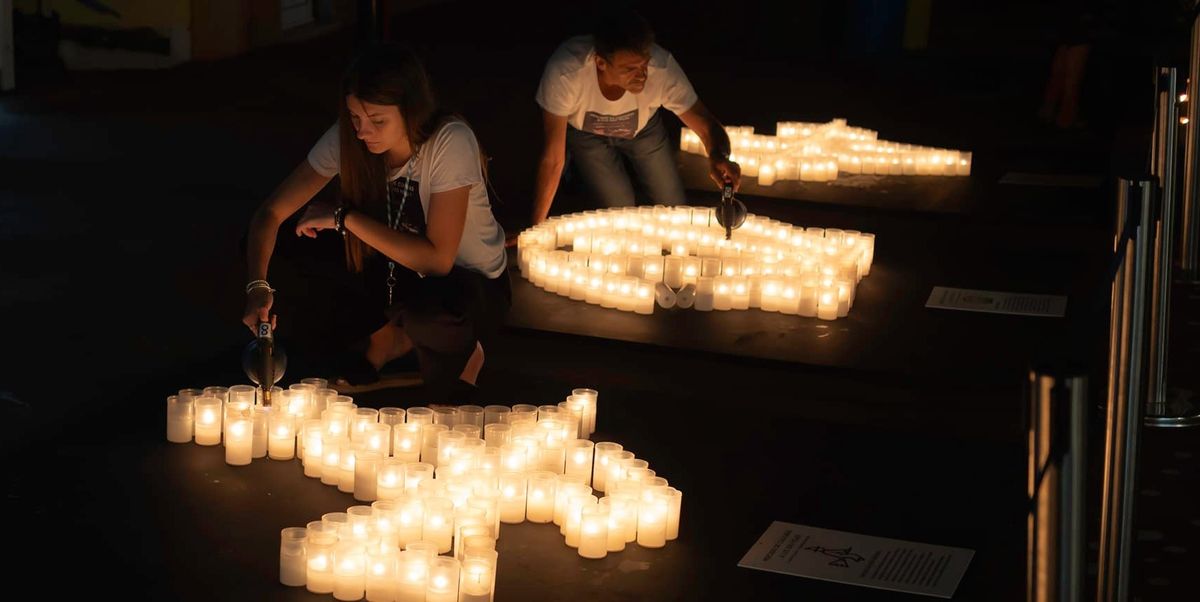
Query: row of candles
x=616, y=261
x=440, y=479
x=816, y=152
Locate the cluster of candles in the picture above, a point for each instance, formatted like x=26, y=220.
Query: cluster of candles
x=816, y=152
x=439, y=480
x=616, y=260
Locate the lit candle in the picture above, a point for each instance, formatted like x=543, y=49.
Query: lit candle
x=362, y=418
x=331, y=451
x=540, y=497
x=573, y=515
x=406, y=442
x=238, y=441
x=412, y=568
x=478, y=576
x=349, y=570
x=622, y=519
x=512, y=497
x=311, y=433
x=673, y=271
x=439, y=523
x=209, y=412
x=318, y=549
x=366, y=475
x=652, y=268
x=593, y=532
x=377, y=437
x=261, y=430
x=179, y=419
x=429, y=442
x=579, y=454
x=346, y=467
x=381, y=574
x=282, y=442
x=722, y=293
x=766, y=174
x=565, y=487
x=442, y=585
x=652, y=521
x=291, y=556
x=827, y=303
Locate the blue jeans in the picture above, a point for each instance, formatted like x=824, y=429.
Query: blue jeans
x=598, y=159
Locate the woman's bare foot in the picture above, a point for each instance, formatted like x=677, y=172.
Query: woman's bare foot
x=474, y=364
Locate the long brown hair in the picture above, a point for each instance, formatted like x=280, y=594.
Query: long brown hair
x=384, y=74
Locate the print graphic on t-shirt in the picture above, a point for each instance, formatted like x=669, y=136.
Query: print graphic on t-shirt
x=412, y=218
x=616, y=126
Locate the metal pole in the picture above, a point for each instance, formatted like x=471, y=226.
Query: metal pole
x=1055, y=536
x=8, y=75
x=1127, y=384
x=1190, y=230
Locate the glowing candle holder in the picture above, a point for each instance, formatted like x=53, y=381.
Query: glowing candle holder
x=209, y=416
x=240, y=438
x=442, y=585
x=180, y=419
x=349, y=570
x=513, y=493
x=366, y=475
x=477, y=581
x=439, y=523
x=292, y=562
x=406, y=442
x=381, y=573
x=579, y=455
x=319, y=558
x=281, y=443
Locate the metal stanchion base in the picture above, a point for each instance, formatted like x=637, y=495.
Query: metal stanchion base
x=1181, y=410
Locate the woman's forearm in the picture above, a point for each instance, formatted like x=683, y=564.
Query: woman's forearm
x=414, y=252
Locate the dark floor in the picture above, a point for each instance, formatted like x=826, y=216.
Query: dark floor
x=123, y=199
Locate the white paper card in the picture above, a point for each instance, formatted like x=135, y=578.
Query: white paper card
x=877, y=562
x=1017, y=304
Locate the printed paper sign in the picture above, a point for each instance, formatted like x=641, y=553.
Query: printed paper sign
x=1017, y=304
x=854, y=559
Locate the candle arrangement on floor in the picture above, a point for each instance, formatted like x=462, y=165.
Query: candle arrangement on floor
x=616, y=260
x=436, y=484
x=816, y=152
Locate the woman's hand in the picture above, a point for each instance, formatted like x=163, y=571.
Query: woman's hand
x=317, y=217
x=258, y=308
x=723, y=171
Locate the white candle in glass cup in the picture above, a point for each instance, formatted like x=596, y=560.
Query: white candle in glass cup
x=180, y=419
x=242, y=393
x=308, y=437
x=209, y=415
x=409, y=519
x=418, y=415
x=360, y=420
x=513, y=493
x=579, y=456
x=448, y=443
x=513, y=457
x=281, y=443
x=292, y=563
x=540, y=496
x=349, y=570
x=442, y=585
x=377, y=437
x=621, y=511
x=360, y=521
x=497, y=434
x=488, y=461
x=331, y=453
x=262, y=422
x=415, y=473
x=406, y=442
x=565, y=486
x=652, y=268
x=429, y=442
x=602, y=451
x=381, y=574
x=238, y=441
x=468, y=531
x=593, y=532
x=446, y=416
x=478, y=575
x=318, y=550
x=412, y=568
x=652, y=521
x=674, y=501
x=705, y=294
x=346, y=459
x=439, y=523
x=488, y=500
x=722, y=293
x=470, y=414
x=827, y=303
x=496, y=414
x=673, y=271
x=366, y=475
x=573, y=516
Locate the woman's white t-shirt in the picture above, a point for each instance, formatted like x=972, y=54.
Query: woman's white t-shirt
x=448, y=160
x=570, y=88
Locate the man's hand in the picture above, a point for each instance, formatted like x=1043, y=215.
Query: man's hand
x=723, y=171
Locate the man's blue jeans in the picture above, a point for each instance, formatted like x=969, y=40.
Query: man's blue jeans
x=598, y=159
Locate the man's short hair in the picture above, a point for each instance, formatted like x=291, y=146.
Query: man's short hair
x=622, y=30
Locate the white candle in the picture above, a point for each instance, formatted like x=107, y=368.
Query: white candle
x=319, y=560
x=478, y=576
x=540, y=497
x=766, y=174
x=366, y=475
x=665, y=297
x=622, y=519
x=179, y=419
x=349, y=570
x=292, y=564
x=652, y=522
x=381, y=574
x=673, y=271
x=686, y=297
x=281, y=444
x=579, y=454
x=593, y=532
x=722, y=293
x=209, y=412
x=237, y=446
x=412, y=568
x=513, y=492
x=262, y=423
x=346, y=459
x=573, y=515
x=406, y=442
x=439, y=523
x=827, y=303
x=674, y=506
x=652, y=268
x=704, y=294
x=442, y=585
x=565, y=487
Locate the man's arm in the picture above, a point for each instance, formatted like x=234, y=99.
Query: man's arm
x=716, y=142
x=554, y=155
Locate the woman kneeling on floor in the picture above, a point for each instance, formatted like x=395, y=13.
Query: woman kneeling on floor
x=417, y=222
